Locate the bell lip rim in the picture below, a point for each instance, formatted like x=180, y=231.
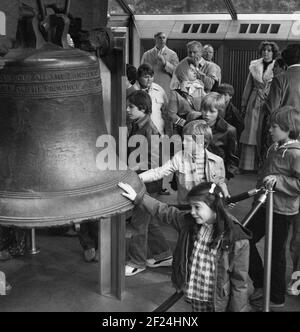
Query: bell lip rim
x=35, y=221
x=53, y=221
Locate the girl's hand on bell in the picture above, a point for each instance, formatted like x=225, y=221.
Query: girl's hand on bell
x=129, y=193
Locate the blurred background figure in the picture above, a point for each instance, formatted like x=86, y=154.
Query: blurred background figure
x=208, y=52
x=163, y=61
x=255, y=92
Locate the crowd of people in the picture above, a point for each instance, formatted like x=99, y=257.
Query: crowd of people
x=214, y=254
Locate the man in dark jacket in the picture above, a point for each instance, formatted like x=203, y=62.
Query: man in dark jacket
x=146, y=231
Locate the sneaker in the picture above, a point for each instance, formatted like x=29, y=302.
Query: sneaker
x=293, y=287
x=164, y=191
x=259, y=304
x=131, y=271
x=257, y=294
x=157, y=263
x=89, y=254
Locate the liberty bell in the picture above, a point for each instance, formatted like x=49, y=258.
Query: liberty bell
x=50, y=119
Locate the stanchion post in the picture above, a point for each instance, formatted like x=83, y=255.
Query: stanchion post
x=33, y=250
x=268, y=251
x=261, y=200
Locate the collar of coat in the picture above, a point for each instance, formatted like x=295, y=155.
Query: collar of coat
x=226, y=239
x=221, y=125
x=256, y=69
x=208, y=155
x=140, y=123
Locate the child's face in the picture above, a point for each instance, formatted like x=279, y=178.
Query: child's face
x=133, y=113
x=202, y=213
x=277, y=134
x=210, y=115
x=192, y=146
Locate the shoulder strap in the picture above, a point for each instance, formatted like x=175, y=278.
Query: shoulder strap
x=187, y=97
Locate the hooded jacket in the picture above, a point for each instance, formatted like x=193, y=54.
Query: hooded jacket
x=232, y=259
x=284, y=162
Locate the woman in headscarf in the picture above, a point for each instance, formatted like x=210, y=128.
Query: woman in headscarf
x=187, y=98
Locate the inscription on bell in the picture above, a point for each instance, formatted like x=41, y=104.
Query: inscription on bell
x=52, y=89
x=49, y=76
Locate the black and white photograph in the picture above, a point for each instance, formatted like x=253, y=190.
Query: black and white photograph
x=149, y=158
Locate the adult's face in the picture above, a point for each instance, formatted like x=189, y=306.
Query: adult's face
x=208, y=53
x=146, y=81
x=192, y=73
x=160, y=41
x=267, y=53
x=195, y=52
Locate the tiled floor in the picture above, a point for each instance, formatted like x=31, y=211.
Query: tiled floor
x=57, y=279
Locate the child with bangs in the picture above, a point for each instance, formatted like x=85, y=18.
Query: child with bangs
x=210, y=261
x=193, y=165
x=224, y=141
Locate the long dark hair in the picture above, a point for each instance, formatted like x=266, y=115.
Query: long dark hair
x=211, y=194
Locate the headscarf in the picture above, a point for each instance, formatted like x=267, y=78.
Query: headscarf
x=181, y=73
x=181, y=70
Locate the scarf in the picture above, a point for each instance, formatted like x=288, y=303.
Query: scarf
x=191, y=86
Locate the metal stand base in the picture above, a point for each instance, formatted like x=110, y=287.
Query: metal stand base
x=33, y=251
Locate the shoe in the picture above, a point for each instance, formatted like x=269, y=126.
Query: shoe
x=257, y=294
x=164, y=191
x=259, y=304
x=131, y=271
x=157, y=263
x=89, y=254
x=293, y=287
x=5, y=255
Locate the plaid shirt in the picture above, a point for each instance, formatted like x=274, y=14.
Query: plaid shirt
x=202, y=267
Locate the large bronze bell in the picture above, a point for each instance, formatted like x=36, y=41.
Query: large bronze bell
x=50, y=118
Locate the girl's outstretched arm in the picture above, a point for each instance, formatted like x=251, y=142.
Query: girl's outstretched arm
x=163, y=212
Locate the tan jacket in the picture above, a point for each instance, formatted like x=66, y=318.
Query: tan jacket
x=162, y=74
x=183, y=165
